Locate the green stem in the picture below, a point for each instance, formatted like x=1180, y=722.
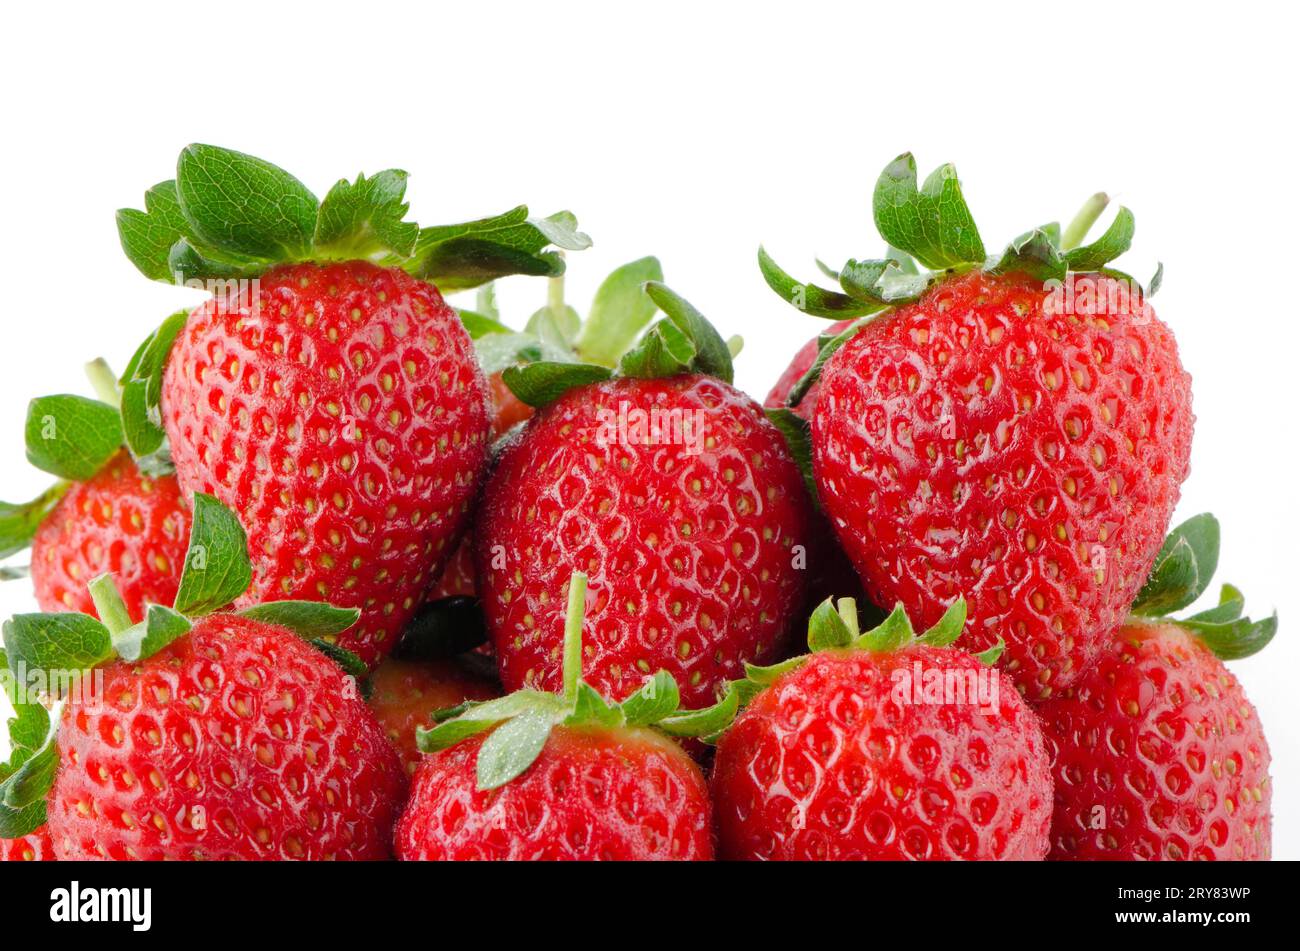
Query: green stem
x=1078, y=229
x=109, y=604
x=573, y=634
x=848, y=609
x=555, y=297
x=104, y=381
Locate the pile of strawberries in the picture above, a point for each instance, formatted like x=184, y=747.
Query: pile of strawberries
x=333, y=569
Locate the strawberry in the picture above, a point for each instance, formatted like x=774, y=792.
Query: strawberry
x=1157, y=752
x=326, y=392
x=405, y=694
x=618, y=313
x=104, y=515
x=672, y=490
x=1013, y=431
x=198, y=733
x=543, y=776
x=122, y=522
x=882, y=745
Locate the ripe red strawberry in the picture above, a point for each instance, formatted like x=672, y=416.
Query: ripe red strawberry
x=846, y=754
x=983, y=436
x=689, y=534
x=119, y=521
x=229, y=737
x=804, y=358
x=1157, y=752
x=561, y=777
x=405, y=694
x=237, y=741
x=340, y=413
x=333, y=402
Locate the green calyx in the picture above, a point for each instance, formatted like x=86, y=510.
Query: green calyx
x=522, y=722
x=1181, y=574
x=50, y=655
x=833, y=625
x=558, y=351
x=930, y=223
x=227, y=216
x=71, y=437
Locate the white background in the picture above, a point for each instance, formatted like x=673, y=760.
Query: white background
x=694, y=131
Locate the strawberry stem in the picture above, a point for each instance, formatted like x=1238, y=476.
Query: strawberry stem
x=1078, y=228
x=555, y=296
x=109, y=604
x=104, y=381
x=573, y=634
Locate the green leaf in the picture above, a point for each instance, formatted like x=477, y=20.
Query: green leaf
x=537, y=384
x=555, y=330
x=160, y=627
x=664, y=351
x=949, y=627
x=905, y=261
x=1230, y=607
x=991, y=655
x=712, y=355
x=61, y=647
x=352, y=664
x=1157, y=279
x=657, y=699
x=894, y=632
x=18, y=523
x=589, y=707
x=1115, y=241
x=141, y=409
x=797, y=433
x=706, y=722
x=1035, y=254
x=882, y=283
x=933, y=224
x=29, y=784
x=485, y=302
x=33, y=760
x=1183, y=567
x=148, y=236
x=71, y=436
x=359, y=218
x=618, y=312
x=1234, y=640
x=827, y=629
x=443, y=628
x=480, y=325
x=497, y=351
x=461, y=256
x=810, y=298
x=561, y=230
x=308, y=619
x=217, y=569
x=192, y=262
x=513, y=747
x=244, y=205
x=477, y=717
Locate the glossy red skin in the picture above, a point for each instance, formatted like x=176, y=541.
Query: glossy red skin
x=592, y=794
x=1158, y=743
x=243, y=720
x=507, y=409
x=691, y=579
x=35, y=847
x=405, y=694
x=828, y=764
x=352, y=462
x=974, y=444
x=118, y=521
